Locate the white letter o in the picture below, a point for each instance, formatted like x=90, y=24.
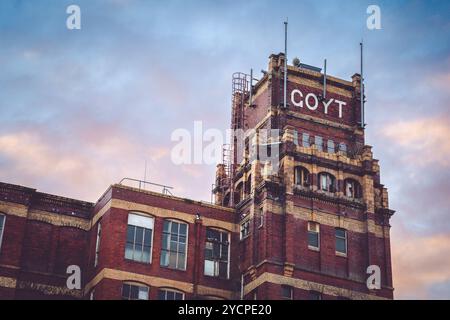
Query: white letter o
x=316, y=101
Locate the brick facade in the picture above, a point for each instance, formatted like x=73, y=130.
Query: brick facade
x=44, y=234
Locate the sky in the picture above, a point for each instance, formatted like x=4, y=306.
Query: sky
x=81, y=109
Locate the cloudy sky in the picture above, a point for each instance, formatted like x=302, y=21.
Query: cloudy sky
x=80, y=109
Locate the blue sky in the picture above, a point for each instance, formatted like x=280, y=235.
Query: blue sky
x=81, y=109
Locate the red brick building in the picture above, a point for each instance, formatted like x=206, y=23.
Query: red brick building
x=305, y=227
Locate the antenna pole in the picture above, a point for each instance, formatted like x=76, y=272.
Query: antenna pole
x=251, y=86
x=285, y=64
x=325, y=78
x=362, y=88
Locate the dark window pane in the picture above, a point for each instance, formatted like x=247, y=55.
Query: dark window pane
x=178, y=296
x=223, y=269
x=174, y=228
x=183, y=229
x=165, y=241
x=139, y=235
x=126, y=291
x=161, y=295
x=286, y=292
x=313, y=239
x=166, y=226
x=134, y=292
x=340, y=245
x=130, y=233
x=340, y=233
x=148, y=237
x=173, y=246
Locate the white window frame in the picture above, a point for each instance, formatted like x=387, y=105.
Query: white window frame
x=330, y=180
x=310, y=229
x=301, y=174
x=168, y=250
x=136, y=219
x=171, y=290
x=135, y=284
x=318, y=141
x=97, y=243
x=331, y=146
x=305, y=139
x=339, y=253
x=228, y=255
x=2, y=229
x=241, y=228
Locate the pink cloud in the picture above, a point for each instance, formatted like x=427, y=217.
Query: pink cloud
x=419, y=263
x=422, y=141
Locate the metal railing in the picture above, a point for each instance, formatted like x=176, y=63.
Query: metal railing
x=143, y=184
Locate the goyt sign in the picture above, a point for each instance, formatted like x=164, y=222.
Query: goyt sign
x=311, y=101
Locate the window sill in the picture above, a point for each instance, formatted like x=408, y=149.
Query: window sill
x=174, y=269
x=215, y=277
x=136, y=261
x=314, y=249
x=243, y=238
x=340, y=254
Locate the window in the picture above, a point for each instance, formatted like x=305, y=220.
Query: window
x=216, y=253
x=343, y=148
x=301, y=176
x=139, y=238
x=134, y=292
x=326, y=182
x=245, y=229
x=295, y=134
x=286, y=292
x=352, y=188
x=167, y=294
x=330, y=146
x=314, y=295
x=239, y=193
x=341, y=241
x=97, y=244
x=2, y=227
x=313, y=235
x=261, y=217
x=305, y=139
x=174, y=245
x=318, y=141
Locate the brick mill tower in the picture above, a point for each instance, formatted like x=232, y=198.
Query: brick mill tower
x=312, y=223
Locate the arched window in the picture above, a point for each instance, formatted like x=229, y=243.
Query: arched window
x=327, y=182
x=170, y=294
x=139, y=237
x=301, y=176
x=352, y=188
x=134, y=291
